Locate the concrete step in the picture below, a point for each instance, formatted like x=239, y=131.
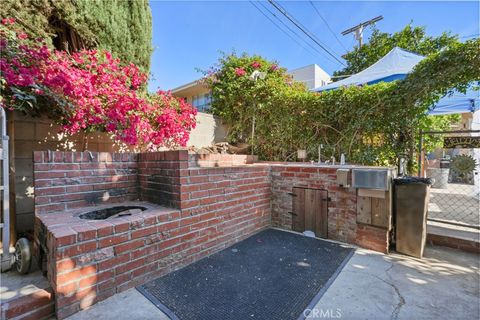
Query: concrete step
x=452, y=236
x=25, y=297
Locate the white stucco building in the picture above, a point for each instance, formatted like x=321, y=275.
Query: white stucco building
x=312, y=76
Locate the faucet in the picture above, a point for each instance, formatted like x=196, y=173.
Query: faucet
x=333, y=160
x=320, y=147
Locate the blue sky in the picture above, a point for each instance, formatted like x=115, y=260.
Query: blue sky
x=188, y=35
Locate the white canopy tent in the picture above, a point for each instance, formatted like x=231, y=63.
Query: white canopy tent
x=396, y=65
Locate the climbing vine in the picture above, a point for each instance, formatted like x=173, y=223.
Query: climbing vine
x=372, y=124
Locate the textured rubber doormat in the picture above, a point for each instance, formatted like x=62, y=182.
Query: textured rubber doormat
x=271, y=275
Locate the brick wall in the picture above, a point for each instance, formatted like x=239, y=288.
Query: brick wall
x=67, y=180
x=88, y=261
x=341, y=207
x=160, y=175
x=220, y=160
x=194, y=211
x=456, y=242
x=342, y=215
x=237, y=197
x=38, y=134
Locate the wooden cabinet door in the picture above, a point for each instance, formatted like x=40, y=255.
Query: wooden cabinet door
x=298, y=205
x=310, y=211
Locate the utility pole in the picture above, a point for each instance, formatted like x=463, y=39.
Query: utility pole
x=358, y=29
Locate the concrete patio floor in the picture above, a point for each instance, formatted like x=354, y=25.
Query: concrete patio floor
x=443, y=285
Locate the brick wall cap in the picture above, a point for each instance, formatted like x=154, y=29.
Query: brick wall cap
x=67, y=222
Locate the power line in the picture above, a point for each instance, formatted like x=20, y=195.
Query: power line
x=304, y=30
x=295, y=33
x=328, y=26
x=285, y=32
x=470, y=36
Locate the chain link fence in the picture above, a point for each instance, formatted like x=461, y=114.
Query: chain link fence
x=455, y=194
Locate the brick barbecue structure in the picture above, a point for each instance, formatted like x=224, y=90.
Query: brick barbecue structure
x=195, y=206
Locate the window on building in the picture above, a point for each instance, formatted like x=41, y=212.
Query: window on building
x=202, y=102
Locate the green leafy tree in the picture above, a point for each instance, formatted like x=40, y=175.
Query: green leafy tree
x=239, y=98
x=372, y=124
x=122, y=27
x=380, y=43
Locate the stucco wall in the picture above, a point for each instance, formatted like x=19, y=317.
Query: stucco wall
x=209, y=130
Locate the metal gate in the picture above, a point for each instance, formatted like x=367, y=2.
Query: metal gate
x=455, y=166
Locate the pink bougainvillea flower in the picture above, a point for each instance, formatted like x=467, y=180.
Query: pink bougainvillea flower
x=92, y=90
x=240, y=72
x=274, y=67
x=256, y=64
x=22, y=36
x=8, y=21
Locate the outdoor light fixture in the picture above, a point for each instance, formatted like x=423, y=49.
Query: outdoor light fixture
x=257, y=75
x=301, y=154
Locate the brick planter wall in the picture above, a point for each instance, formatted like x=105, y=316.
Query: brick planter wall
x=193, y=211
x=68, y=180
x=88, y=261
x=220, y=160
x=160, y=176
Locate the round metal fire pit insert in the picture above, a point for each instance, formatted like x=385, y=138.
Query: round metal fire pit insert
x=112, y=212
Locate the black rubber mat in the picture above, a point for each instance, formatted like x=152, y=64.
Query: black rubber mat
x=271, y=275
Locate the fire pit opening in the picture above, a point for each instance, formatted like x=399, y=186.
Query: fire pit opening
x=112, y=212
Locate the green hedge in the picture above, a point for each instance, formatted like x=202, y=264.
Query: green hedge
x=372, y=124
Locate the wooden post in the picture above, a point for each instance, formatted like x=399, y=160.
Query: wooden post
x=420, y=150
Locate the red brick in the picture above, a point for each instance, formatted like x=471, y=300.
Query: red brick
x=17, y=307
x=168, y=226
x=49, y=175
x=144, y=232
x=65, y=278
x=80, y=295
x=112, y=240
x=129, y=266
x=106, y=285
x=79, y=188
x=77, y=249
x=67, y=290
x=65, y=265
x=129, y=246
x=121, y=225
x=123, y=278
x=38, y=156
x=49, y=191
x=113, y=262
x=85, y=232
x=104, y=229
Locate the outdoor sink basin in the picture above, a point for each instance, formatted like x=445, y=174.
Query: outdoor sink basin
x=377, y=179
x=112, y=212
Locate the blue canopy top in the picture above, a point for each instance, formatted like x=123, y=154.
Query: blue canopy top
x=458, y=102
x=396, y=65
